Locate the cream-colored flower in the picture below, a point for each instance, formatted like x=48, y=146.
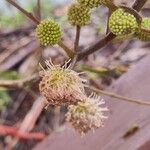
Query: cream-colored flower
x=61, y=85
x=87, y=115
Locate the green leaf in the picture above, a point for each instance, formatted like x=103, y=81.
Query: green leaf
x=4, y=98
x=9, y=75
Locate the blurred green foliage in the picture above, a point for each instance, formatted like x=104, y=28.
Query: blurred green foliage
x=4, y=98
x=12, y=21
x=15, y=19
x=9, y=75
x=105, y=72
x=4, y=93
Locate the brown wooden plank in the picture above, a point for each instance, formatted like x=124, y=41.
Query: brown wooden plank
x=122, y=116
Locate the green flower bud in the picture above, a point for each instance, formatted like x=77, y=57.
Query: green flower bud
x=90, y=3
x=48, y=32
x=122, y=23
x=79, y=15
x=143, y=32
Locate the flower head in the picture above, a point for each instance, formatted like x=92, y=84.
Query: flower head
x=122, y=23
x=143, y=32
x=87, y=115
x=79, y=15
x=61, y=85
x=48, y=32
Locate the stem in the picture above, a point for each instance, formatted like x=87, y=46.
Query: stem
x=109, y=4
x=100, y=44
x=118, y=97
x=109, y=14
x=74, y=61
x=138, y=4
x=69, y=52
x=76, y=44
x=39, y=9
x=29, y=15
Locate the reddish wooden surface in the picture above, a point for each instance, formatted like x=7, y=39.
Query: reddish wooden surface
x=135, y=84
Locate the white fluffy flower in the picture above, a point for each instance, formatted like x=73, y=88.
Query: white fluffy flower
x=87, y=114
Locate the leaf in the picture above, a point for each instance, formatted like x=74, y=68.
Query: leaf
x=4, y=97
x=106, y=72
x=100, y=71
x=9, y=75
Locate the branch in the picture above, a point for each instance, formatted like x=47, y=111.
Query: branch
x=100, y=44
x=76, y=44
x=118, y=97
x=138, y=4
x=69, y=52
x=29, y=15
x=39, y=9
x=11, y=131
x=30, y=119
x=109, y=4
x=109, y=14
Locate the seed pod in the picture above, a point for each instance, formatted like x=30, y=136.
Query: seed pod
x=79, y=15
x=61, y=85
x=90, y=3
x=122, y=23
x=143, y=32
x=87, y=115
x=48, y=32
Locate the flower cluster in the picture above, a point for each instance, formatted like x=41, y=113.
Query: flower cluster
x=79, y=15
x=87, y=115
x=63, y=86
x=48, y=32
x=122, y=22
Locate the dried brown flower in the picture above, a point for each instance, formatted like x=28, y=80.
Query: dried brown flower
x=61, y=85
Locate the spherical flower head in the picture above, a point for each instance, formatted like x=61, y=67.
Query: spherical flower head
x=48, y=32
x=122, y=23
x=90, y=3
x=87, y=115
x=79, y=15
x=61, y=85
x=143, y=32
